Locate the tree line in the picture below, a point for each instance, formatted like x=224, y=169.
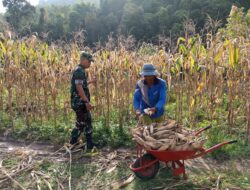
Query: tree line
x=145, y=20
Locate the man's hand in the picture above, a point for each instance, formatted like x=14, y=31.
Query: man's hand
x=88, y=106
x=93, y=81
x=137, y=113
x=150, y=111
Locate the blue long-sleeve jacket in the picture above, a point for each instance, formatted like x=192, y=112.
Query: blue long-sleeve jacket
x=157, y=95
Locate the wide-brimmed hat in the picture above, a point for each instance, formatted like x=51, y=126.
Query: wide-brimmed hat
x=148, y=69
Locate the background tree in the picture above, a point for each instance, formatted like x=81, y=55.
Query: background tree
x=133, y=22
x=3, y=24
x=20, y=14
x=146, y=20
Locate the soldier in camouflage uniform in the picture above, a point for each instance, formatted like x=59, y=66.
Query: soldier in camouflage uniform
x=80, y=101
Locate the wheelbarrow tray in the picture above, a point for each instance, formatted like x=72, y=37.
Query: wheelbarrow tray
x=147, y=165
x=172, y=155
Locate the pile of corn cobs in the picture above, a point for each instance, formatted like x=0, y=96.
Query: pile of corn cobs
x=167, y=136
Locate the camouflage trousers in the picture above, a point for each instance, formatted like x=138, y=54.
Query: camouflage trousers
x=83, y=124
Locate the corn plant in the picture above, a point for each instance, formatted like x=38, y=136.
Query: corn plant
x=35, y=79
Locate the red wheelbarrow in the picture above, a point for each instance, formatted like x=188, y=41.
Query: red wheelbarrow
x=147, y=163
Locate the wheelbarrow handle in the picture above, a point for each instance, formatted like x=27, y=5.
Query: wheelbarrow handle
x=201, y=130
x=233, y=141
x=203, y=151
x=208, y=127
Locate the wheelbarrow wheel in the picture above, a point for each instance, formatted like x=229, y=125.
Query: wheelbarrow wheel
x=150, y=171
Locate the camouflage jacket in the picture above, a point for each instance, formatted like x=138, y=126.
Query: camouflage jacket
x=78, y=77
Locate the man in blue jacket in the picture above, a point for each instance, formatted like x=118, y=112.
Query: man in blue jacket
x=150, y=95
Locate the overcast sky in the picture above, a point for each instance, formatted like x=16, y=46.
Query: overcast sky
x=33, y=2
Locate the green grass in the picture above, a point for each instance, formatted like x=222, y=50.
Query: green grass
x=229, y=178
x=117, y=134
x=9, y=162
x=89, y=174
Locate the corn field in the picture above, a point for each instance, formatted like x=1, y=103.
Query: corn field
x=35, y=79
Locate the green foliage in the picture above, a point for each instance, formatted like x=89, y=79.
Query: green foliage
x=144, y=19
x=46, y=131
x=20, y=14
x=147, y=49
x=3, y=24
x=113, y=135
x=8, y=163
x=218, y=134
x=67, y=2
x=238, y=24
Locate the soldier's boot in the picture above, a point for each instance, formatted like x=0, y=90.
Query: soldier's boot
x=75, y=134
x=90, y=143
